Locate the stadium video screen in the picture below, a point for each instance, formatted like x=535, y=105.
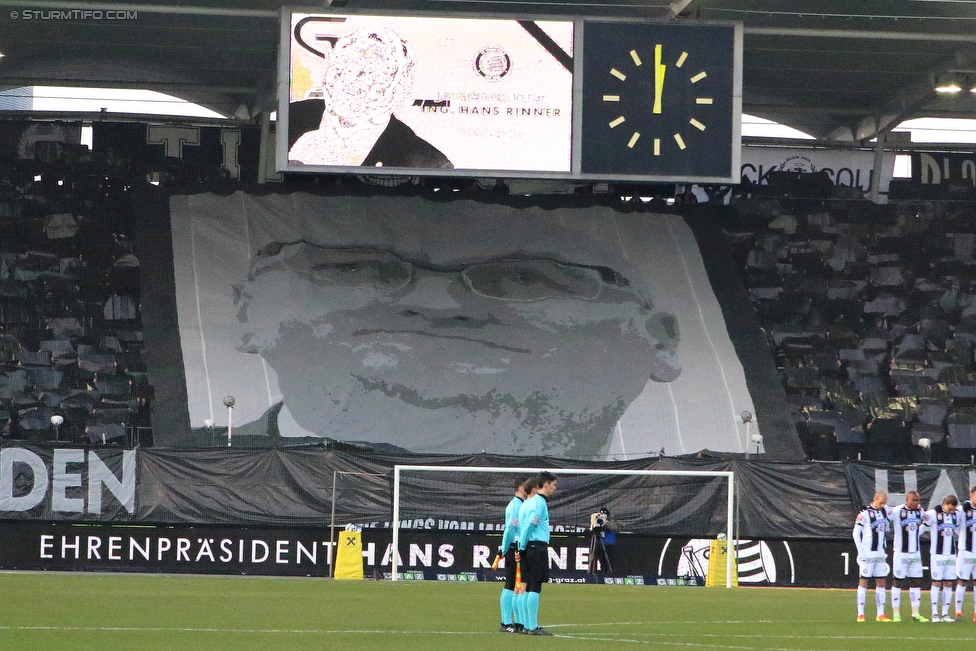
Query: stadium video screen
x=430, y=94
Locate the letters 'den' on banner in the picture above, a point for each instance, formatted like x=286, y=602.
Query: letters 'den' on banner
x=349, y=556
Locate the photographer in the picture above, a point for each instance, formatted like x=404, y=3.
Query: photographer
x=603, y=540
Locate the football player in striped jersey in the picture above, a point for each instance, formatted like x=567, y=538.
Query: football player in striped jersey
x=943, y=523
x=909, y=520
x=870, y=529
x=966, y=561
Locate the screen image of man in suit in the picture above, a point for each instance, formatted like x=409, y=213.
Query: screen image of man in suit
x=369, y=76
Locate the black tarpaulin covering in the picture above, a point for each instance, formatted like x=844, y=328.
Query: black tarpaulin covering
x=294, y=487
x=794, y=500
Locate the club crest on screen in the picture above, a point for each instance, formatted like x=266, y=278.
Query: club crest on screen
x=493, y=63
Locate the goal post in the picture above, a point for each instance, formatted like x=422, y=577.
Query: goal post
x=399, y=471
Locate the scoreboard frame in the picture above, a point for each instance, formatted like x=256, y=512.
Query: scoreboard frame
x=616, y=131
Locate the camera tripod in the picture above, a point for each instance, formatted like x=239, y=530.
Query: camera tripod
x=599, y=551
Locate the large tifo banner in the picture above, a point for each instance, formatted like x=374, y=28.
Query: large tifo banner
x=453, y=327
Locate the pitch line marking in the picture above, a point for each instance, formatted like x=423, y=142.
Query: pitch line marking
x=686, y=644
x=629, y=637
x=596, y=636
x=730, y=621
x=711, y=621
x=180, y=629
x=299, y=631
x=548, y=626
x=787, y=637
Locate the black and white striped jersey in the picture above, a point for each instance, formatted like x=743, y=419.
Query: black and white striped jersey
x=942, y=529
x=967, y=527
x=870, y=529
x=908, y=525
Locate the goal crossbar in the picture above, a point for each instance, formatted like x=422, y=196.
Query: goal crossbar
x=729, y=476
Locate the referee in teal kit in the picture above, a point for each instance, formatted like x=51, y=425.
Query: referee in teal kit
x=507, y=549
x=533, y=545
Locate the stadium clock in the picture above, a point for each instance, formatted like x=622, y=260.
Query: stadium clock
x=658, y=100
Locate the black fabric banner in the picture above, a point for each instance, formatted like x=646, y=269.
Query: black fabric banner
x=294, y=487
x=209, y=153
x=40, y=141
x=950, y=168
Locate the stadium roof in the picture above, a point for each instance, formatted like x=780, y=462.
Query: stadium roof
x=839, y=70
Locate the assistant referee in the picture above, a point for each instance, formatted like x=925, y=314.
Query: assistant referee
x=533, y=545
x=511, y=621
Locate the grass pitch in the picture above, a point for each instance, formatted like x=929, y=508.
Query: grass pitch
x=103, y=612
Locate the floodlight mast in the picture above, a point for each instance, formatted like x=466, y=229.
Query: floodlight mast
x=730, y=507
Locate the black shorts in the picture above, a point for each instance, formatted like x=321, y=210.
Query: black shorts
x=510, y=567
x=535, y=563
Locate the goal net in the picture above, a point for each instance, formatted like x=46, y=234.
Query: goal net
x=687, y=503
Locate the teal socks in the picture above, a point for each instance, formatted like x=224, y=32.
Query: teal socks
x=531, y=610
x=506, y=603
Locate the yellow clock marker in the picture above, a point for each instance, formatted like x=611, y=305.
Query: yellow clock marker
x=659, y=70
x=657, y=108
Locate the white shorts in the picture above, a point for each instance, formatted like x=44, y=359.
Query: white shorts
x=907, y=565
x=943, y=567
x=873, y=565
x=966, y=566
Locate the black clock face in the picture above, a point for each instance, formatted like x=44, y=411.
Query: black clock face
x=657, y=100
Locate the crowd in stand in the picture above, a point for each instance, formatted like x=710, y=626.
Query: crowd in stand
x=71, y=346
x=870, y=312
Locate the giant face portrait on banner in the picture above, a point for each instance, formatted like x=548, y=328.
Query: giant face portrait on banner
x=482, y=352
x=449, y=327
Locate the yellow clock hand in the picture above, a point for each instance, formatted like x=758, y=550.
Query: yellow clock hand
x=659, y=70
